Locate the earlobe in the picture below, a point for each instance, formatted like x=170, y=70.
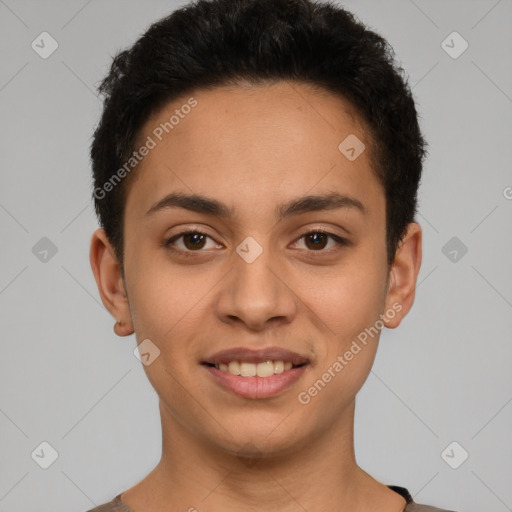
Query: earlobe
x=107, y=274
x=122, y=329
x=403, y=276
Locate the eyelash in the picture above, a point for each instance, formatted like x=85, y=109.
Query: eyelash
x=310, y=253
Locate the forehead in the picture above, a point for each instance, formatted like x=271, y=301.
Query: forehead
x=252, y=143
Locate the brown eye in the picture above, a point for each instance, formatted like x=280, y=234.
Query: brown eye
x=316, y=241
x=188, y=242
x=194, y=240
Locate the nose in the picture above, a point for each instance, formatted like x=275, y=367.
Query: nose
x=256, y=294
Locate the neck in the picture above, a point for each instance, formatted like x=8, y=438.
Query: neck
x=319, y=474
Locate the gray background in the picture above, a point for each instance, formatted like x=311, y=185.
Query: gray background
x=67, y=379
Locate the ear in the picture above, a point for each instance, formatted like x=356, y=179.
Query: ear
x=403, y=276
x=109, y=280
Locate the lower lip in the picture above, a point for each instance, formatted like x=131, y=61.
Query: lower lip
x=257, y=387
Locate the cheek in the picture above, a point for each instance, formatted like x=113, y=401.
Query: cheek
x=347, y=307
x=171, y=308
x=164, y=298
x=167, y=309
x=348, y=302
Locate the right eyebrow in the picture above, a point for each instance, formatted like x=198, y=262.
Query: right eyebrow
x=193, y=202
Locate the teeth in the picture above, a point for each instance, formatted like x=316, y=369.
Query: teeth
x=247, y=370
x=278, y=367
x=233, y=368
x=265, y=369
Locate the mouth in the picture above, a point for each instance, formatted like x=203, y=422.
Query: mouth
x=264, y=369
x=256, y=374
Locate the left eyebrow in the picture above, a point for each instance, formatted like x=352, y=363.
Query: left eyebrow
x=313, y=203
x=210, y=206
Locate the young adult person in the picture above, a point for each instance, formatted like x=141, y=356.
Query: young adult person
x=256, y=169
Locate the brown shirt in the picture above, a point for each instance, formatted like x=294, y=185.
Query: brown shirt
x=116, y=505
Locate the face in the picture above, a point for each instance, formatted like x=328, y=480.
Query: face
x=278, y=261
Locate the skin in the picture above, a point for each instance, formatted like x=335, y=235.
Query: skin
x=253, y=148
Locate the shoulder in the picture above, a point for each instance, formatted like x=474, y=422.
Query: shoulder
x=116, y=505
x=412, y=506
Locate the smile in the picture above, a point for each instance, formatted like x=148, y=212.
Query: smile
x=256, y=374
x=265, y=369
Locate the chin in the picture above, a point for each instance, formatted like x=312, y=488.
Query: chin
x=259, y=441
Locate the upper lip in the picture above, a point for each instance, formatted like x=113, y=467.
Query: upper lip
x=247, y=355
